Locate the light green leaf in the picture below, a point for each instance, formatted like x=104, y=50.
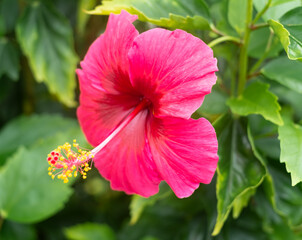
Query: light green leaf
x=90, y=231
x=46, y=39
x=183, y=14
x=239, y=171
x=286, y=72
x=290, y=136
x=257, y=99
x=27, y=193
x=289, y=29
x=28, y=130
x=237, y=14
x=9, y=59
x=277, y=7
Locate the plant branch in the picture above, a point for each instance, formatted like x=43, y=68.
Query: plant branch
x=224, y=39
x=260, y=14
x=243, y=58
x=265, y=54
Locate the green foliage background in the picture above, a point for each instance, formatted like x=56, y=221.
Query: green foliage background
x=255, y=108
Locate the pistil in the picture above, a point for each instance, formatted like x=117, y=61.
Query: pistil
x=65, y=162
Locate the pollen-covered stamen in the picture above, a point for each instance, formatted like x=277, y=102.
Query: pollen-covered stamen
x=65, y=163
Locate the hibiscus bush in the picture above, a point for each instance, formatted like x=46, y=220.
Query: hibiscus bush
x=184, y=118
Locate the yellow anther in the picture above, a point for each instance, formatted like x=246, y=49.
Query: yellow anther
x=74, y=140
x=49, y=169
x=49, y=173
x=73, y=167
x=65, y=166
x=75, y=174
x=84, y=177
x=66, y=180
x=53, y=176
x=69, y=175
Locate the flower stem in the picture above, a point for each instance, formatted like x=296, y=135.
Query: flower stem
x=243, y=58
x=223, y=39
x=142, y=105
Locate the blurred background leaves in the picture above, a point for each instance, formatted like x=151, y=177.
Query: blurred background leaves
x=251, y=197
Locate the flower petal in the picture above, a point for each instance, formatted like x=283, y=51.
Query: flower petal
x=175, y=70
x=184, y=151
x=106, y=92
x=126, y=161
x=106, y=63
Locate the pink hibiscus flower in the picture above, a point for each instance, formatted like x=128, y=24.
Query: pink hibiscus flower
x=138, y=92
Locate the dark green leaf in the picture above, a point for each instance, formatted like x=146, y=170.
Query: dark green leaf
x=27, y=193
x=138, y=203
x=15, y=231
x=184, y=14
x=90, y=231
x=290, y=136
x=82, y=16
x=289, y=29
x=288, y=199
x=265, y=136
x=238, y=170
x=286, y=72
x=28, y=130
x=277, y=7
x=9, y=59
x=257, y=99
x=46, y=39
x=9, y=10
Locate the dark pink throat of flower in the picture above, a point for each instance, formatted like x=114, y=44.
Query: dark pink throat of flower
x=65, y=162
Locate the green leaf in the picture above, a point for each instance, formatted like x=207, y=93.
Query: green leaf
x=237, y=14
x=214, y=103
x=220, y=17
x=241, y=202
x=46, y=39
x=257, y=99
x=286, y=72
x=9, y=10
x=265, y=136
x=290, y=136
x=277, y=7
x=90, y=231
x=28, y=130
x=258, y=43
x=288, y=199
x=183, y=14
x=138, y=203
x=9, y=58
x=239, y=171
x=27, y=193
x=289, y=32
x=82, y=16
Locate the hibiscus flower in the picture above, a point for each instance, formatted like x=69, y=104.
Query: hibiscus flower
x=138, y=92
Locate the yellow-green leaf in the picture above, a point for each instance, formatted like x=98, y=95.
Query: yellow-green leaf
x=289, y=29
x=183, y=14
x=257, y=99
